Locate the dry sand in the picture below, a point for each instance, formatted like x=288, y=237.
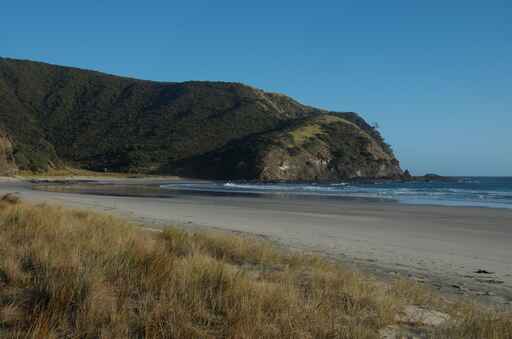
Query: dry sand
x=442, y=247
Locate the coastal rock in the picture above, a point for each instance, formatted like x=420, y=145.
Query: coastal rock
x=414, y=322
x=325, y=147
x=417, y=315
x=407, y=175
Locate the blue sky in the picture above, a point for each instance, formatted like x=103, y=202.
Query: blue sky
x=436, y=75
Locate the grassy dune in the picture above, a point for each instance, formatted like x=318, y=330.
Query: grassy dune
x=76, y=274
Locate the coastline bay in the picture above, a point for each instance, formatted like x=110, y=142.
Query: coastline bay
x=442, y=247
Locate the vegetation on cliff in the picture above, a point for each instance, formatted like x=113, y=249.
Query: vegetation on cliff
x=54, y=115
x=322, y=147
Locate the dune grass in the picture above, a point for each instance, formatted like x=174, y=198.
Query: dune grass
x=76, y=274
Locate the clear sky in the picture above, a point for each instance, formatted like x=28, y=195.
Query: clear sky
x=436, y=75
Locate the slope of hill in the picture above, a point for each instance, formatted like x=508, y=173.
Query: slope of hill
x=322, y=147
x=52, y=115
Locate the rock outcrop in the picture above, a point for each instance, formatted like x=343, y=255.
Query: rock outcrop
x=324, y=147
x=416, y=323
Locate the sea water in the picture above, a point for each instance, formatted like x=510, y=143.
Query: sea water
x=493, y=192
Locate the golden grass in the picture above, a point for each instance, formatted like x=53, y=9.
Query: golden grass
x=302, y=134
x=75, y=274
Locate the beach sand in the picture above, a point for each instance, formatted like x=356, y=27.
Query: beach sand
x=441, y=247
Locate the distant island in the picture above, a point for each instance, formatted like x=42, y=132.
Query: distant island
x=53, y=116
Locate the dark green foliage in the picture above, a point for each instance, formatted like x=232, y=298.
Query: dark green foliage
x=99, y=121
x=371, y=130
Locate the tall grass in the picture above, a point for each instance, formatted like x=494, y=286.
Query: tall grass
x=76, y=274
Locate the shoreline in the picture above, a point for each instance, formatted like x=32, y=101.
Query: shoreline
x=125, y=187
x=434, y=245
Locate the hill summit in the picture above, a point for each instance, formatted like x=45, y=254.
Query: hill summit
x=51, y=116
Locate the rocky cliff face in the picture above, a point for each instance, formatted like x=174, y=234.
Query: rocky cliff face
x=324, y=147
x=7, y=162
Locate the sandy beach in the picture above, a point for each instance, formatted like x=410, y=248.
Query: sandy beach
x=443, y=247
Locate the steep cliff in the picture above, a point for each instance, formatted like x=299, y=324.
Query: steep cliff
x=324, y=147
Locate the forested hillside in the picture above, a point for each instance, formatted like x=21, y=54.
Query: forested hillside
x=55, y=115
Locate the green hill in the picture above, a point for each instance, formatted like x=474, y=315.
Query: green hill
x=52, y=115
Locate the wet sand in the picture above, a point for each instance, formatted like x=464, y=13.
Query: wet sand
x=442, y=247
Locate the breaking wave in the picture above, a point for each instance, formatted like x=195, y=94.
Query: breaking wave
x=471, y=191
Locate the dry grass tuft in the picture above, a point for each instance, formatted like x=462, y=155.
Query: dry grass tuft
x=66, y=273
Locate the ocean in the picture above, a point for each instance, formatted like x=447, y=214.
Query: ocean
x=494, y=192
